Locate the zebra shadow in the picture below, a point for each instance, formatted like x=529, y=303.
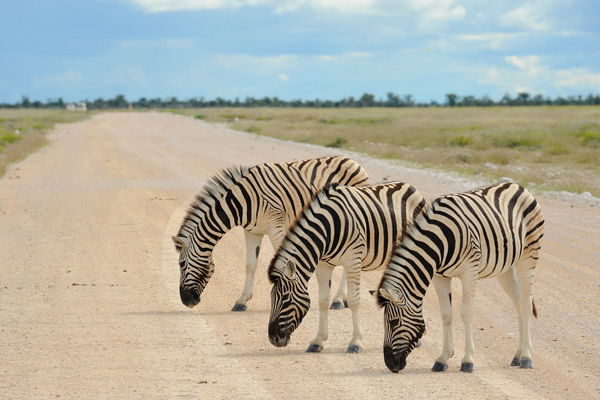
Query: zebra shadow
x=150, y=313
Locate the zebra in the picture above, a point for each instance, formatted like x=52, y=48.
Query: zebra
x=493, y=231
x=356, y=227
x=264, y=200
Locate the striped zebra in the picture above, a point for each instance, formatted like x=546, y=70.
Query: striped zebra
x=494, y=231
x=264, y=200
x=356, y=227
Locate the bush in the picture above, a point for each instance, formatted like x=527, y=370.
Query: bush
x=200, y=116
x=337, y=142
x=461, y=141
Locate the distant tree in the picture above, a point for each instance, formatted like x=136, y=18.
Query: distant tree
x=451, y=99
x=367, y=100
x=522, y=98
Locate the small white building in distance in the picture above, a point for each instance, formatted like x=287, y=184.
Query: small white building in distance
x=81, y=106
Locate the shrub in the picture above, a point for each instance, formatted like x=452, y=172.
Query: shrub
x=253, y=129
x=461, y=141
x=200, y=116
x=337, y=142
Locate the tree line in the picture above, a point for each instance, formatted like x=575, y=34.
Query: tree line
x=366, y=100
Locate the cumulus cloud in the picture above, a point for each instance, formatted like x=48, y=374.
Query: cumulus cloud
x=438, y=10
x=528, y=64
x=529, y=16
x=430, y=10
x=347, y=6
x=529, y=74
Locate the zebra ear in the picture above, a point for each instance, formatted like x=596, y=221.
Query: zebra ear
x=373, y=293
x=179, y=242
x=290, y=269
x=393, y=295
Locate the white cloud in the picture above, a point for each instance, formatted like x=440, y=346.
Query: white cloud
x=438, y=10
x=528, y=64
x=346, y=6
x=529, y=16
x=493, y=40
x=284, y=77
x=530, y=75
x=346, y=56
x=578, y=78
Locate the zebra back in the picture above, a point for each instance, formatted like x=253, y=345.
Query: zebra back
x=263, y=199
x=494, y=226
x=343, y=220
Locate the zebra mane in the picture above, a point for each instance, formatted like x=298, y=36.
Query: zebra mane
x=213, y=191
x=404, y=244
x=272, y=272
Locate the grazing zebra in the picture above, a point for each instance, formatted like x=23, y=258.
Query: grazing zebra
x=494, y=231
x=356, y=227
x=264, y=199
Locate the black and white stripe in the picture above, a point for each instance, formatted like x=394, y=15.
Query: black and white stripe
x=264, y=200
x=349, y=226
x=494, y=231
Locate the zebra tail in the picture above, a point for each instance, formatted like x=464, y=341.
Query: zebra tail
x=534, y=309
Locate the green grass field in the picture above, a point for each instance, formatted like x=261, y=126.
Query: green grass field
x=543, y=148
x=22, y=131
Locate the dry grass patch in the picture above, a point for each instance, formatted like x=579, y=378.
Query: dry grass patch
x=22, y=131
x=524, y=143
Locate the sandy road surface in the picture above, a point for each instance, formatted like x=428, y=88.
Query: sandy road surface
x=89, y=306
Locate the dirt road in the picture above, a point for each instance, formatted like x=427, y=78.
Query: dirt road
x=89, y=303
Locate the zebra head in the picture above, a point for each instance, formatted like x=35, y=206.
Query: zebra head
x=403, y=327
x=196, y=269
x=289, y=301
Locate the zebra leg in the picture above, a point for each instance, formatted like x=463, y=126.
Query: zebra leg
x=443, y=288
x=525, y=274
x=253, y=242
x=469, y=284
x=353, y=275
x=509, y=283
x=339, y=301
x=323, y=273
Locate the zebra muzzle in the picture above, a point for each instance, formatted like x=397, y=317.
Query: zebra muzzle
x=277, y=337
x=394, y=362
x=189, y=297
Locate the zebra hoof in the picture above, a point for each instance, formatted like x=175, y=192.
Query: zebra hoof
x=439, y=367
x=467, y=367
x=353, y=349
x=336, y=305
x=314, y=348
x=238, y=307
x=345, y=304
x=526, y=364
x=418, y=344
x=515, y=362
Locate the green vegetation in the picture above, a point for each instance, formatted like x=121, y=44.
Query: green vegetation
x=337, y=142
x=543, y=148
x=23, y=131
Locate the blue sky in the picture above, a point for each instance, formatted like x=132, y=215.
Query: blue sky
x=297, y=49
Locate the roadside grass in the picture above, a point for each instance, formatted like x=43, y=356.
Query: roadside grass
x=543, y=148
x=22, y=131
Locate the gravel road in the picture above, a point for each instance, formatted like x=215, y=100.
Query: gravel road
x=89, y=302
